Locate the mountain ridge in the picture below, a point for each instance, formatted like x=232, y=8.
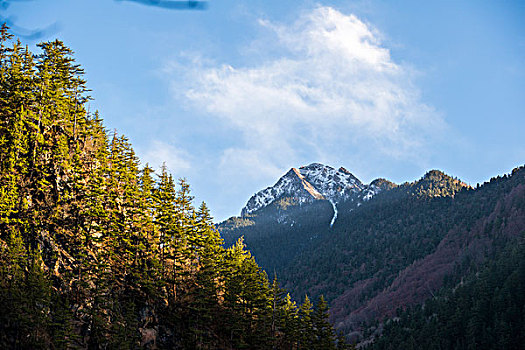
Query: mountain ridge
x=312, y=182
x=393, y=250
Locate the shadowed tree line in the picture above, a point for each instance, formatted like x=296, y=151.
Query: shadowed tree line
x=484, y=311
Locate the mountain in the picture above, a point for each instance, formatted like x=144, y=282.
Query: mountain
x=395, y=248
x=292, y=184
x=311, y=183
x=303, y=205
x=297, y=211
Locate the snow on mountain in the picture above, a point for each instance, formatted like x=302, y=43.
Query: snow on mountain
x=291, y=184
x=313, y=182
x=335, y=213
x=370, y=191
x=333, y=184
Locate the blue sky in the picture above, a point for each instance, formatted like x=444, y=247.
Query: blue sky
x=233, y=96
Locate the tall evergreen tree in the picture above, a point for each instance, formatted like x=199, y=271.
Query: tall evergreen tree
x=98, y=253
x=324, y=336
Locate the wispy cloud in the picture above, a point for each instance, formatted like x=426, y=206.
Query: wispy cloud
x=332, y=92
x=160, y=153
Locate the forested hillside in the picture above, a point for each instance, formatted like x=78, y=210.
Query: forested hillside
x=484, y=311
x=99, y=252
x=279, y=232
x=395, y=250
x=402, y=247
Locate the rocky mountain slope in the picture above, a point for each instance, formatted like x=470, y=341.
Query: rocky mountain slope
x=314, y=182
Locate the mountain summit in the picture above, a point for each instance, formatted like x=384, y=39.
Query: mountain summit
x=310, y=183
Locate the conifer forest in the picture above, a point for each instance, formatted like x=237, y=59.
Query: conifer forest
x=99, y=252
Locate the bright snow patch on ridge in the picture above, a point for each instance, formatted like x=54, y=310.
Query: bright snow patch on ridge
x=331, y=183
x=291, y=184
x=335, y=214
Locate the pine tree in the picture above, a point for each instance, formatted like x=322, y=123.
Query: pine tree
x=323, y=330
x=290, y=323
x=306, y=331
x=206, y=292
x=168, y=235
x=247, y=298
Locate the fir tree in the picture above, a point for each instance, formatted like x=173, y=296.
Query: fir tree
x=98, y=253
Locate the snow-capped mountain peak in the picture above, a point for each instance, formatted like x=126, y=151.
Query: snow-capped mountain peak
x=293, y=184
x=331, y=183
x=309, y=183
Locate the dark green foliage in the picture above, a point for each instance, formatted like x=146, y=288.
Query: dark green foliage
x=485, y=311
x=324, y=336
x=284, y=224
x=97, y=253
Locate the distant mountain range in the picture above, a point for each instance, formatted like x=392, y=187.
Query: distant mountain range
x=371, y=249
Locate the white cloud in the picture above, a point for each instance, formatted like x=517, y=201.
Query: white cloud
x=334, y=88
x=158, y=153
